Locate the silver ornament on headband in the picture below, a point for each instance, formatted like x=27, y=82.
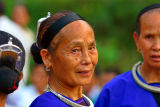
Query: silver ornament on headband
x=10, y=49
x=41, y=20
x=39, y=23
x=48, y=14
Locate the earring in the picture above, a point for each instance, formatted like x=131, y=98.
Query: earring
x=47, y=69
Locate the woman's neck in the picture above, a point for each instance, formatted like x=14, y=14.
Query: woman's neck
x=150, y=74
x=71, y=92
x=3, y=98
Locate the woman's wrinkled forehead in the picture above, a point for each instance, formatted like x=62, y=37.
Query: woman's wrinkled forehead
x=77, y=30
x=78, y=26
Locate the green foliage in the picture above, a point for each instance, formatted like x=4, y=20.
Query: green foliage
x=112, y=20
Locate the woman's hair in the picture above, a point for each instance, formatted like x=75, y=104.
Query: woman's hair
x=150, y=8
x=42, y=39
x=12, y=58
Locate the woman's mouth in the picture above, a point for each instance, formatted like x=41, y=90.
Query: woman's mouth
x=155, y=58
x=84, y=73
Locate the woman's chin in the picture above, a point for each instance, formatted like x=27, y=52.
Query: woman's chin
x=155, y=65
x=85, y=82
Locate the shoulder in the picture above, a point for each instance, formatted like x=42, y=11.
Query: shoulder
x=121, y=81
x=46, y=99
x=115, y=89
x=124, y=91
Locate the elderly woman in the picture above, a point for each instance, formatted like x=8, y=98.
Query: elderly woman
x=141, y=86
x=67, y=47
x=12, y=57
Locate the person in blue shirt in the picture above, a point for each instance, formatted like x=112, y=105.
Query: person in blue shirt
x=139, y=87
x=66, y=46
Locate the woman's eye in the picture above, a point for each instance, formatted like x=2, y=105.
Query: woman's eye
x=148, y=36
x=91, y=47
x=74, y=50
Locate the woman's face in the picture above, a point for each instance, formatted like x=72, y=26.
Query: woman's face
x=149, y=39
x=75, y=58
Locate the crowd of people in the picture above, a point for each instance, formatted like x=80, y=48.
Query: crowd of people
x=65, y=55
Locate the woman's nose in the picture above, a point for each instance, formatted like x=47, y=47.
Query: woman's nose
x=86, y=59
x=156, y=45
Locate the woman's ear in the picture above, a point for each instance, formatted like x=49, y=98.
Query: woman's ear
x=136, y=40
x=46, y=58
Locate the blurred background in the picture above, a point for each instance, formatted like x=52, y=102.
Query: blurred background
x=113, y=21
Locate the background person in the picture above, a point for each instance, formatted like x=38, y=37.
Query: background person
x=20, y=16
x=102, y=78
x=11, y=27
x=67, y=46
x=25, y=95
x=107, y=75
